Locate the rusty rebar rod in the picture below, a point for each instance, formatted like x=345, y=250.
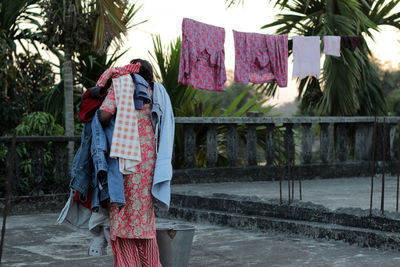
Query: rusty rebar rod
x=398, y=174
x=293, y=177
x=373, y=167
x=288, y=179
x=8, y=193
x=280, y=170
x=299, y=175
x=383, y=168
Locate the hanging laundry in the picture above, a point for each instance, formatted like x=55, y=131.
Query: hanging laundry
x=306, y=56
x=350, y=42
x=332, y=45
x=261, y=58
x=202, y=56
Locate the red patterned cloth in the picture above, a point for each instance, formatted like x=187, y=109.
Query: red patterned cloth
x=202, y=62
x=116, y=72
x=135, y=252
x=136, y=219
x=261, y=58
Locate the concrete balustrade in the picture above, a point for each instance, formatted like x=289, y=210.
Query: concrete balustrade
x=312, y=146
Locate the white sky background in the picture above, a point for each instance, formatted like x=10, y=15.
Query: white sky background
x=165, y=19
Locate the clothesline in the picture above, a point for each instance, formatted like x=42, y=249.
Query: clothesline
x=259, y=58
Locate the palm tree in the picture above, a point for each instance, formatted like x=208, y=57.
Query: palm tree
x=79, y=26
x=76, y=25
x=15, y=15
x=349, y=84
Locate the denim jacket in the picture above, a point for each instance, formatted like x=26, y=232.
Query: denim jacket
x=140, y=95
x=108, y=177
x=93, y=169
x=82, y=165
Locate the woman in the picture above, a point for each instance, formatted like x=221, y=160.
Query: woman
x=132, y=227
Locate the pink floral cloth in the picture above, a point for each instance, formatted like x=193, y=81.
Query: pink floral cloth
x=202, y=62
x=261, y=58
x=136, y=219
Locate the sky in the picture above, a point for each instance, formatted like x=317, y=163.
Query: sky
x=165, y=19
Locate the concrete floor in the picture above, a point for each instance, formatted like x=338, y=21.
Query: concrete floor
x=36, y=240
x=331, y=193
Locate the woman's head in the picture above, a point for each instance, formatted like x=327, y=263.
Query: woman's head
x=146, y=71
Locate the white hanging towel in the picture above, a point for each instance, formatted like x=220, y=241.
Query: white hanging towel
x=306, y=56
x=332, y=45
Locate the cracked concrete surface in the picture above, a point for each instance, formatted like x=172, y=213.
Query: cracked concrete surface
x=36, y=240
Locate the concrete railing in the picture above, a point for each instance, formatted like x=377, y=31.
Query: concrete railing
x=272, y=147
x=308, y=146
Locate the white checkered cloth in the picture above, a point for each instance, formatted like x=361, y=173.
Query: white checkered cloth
x=125, y=142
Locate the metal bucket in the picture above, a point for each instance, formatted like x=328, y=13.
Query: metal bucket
x=175, y=243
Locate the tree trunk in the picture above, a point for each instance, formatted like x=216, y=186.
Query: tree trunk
x=69, y=103
x=68, y=84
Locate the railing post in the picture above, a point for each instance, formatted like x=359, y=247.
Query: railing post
x=341, y=147
x=212, y=146
x=190, y=146
x=16, y=173
x=251, y=145
x=62, y=175
x=289, y=142
x=392, y=134
x=232, y=145
x=324, y=142
x=270, y=144
x=37, y=168
x=306, y=143
x=363, y=141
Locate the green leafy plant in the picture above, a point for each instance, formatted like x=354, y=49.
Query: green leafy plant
x=36, y=124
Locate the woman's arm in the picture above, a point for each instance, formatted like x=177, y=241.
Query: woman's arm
x=108, y=109
x=104, y=117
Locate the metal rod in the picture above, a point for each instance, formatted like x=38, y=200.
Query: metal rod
x=397, y=192
x=383, y=168
x=280, y=170
x=299, y=175
x=8, y=193
x=398, y=174
x=373, y=167
x=288, y=178
x=293, y=177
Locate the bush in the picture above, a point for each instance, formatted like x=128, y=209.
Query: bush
x=34, y=124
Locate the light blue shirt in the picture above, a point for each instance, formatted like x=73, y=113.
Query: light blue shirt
x=162, y=118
